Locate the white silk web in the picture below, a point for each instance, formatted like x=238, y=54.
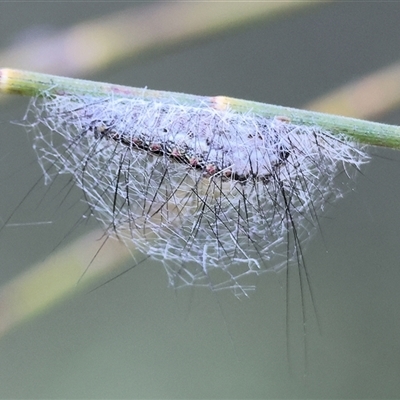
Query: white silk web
x=216, y=196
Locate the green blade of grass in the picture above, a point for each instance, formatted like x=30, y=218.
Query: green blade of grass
x=36, y=84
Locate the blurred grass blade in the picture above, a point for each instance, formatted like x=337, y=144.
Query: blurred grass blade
x=47, y=283
x=367, y=97
x=95, y=44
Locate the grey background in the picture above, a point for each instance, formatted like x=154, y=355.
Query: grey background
x=137, y=338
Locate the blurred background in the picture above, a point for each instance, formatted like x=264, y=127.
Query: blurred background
x=137, y=338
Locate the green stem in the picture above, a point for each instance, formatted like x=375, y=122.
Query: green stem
x=36, y=84
x=368, y=132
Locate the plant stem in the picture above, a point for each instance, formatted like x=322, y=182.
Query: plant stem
x=35, y=84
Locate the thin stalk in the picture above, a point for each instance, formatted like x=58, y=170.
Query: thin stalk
x=35, y=84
